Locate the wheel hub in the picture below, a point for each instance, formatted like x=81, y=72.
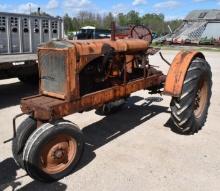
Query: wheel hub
x=58, y=154
x=201, y=98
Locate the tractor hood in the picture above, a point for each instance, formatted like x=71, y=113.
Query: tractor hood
x=88, y=47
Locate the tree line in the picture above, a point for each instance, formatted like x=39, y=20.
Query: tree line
x=156, y=22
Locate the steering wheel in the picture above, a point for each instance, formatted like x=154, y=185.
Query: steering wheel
x=141, y=32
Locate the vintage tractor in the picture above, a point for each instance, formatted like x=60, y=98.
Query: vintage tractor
x=77, y=76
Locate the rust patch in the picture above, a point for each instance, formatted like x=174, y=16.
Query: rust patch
x=126, y=71
x=49, y=108
x=177, y=72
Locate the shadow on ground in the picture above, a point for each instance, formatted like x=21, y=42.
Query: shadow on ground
x=35, y=185
x=96, y=135
x=9, y=179
x=11, y=94
x=115, y=125
x=8, y=174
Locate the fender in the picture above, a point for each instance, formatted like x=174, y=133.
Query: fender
x=177, y=72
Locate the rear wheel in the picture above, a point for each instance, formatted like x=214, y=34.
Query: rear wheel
x=53, y=151
x=189, y=111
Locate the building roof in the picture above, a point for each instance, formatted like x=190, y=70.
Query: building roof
x=206, y=14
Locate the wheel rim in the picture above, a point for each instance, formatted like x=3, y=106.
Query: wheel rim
x=201, y=98
x=58, y=154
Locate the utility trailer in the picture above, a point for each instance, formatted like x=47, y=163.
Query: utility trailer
x=82, y=75
x=20, y=36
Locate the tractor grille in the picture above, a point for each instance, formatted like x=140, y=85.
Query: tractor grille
x=53, y=71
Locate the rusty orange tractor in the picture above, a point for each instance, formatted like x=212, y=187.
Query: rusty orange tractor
x=77, y=76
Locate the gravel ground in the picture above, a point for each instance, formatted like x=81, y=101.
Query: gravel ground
x=131, y=150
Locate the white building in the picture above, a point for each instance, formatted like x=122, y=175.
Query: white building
x=199, y=24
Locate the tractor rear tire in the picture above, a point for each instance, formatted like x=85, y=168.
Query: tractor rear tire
x=189, y=111
x=24, y=130
x=53, y=151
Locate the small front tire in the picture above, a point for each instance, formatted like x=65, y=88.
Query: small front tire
x=24, y=130
x=53, y=151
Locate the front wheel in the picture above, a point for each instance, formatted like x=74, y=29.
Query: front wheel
x=53, y=151
x=24, y=131
x=189, y=111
